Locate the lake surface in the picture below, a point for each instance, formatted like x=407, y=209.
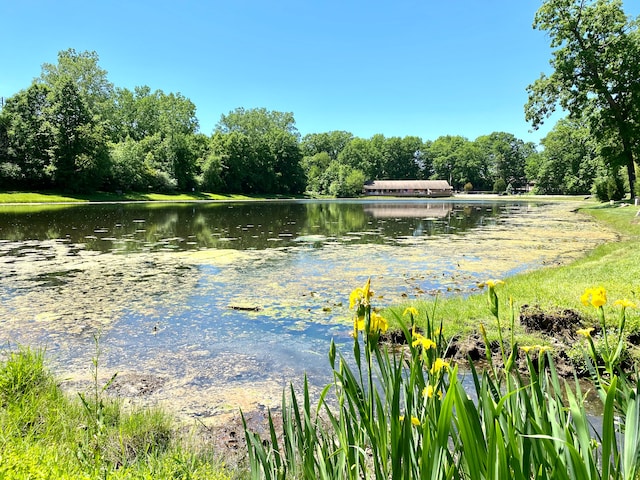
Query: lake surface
x=211, y=306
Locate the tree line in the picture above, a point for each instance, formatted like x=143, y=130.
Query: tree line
x=73, y=130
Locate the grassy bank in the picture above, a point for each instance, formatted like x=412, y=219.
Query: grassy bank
x=56, y=197
x=614, y=266
x=44, y=433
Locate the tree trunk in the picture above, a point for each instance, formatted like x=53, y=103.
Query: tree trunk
x=631, y=171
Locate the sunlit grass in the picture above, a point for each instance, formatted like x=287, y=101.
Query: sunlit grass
x=46, y=434
x=52, y=197
x=34, y=197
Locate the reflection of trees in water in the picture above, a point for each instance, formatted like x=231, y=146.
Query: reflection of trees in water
x=252, y=225
x=334, y=219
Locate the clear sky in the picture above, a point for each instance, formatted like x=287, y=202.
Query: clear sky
x=396, y=67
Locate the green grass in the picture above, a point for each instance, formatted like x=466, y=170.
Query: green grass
x=46, y=434
x=57, y=197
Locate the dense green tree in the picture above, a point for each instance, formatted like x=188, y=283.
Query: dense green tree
x=90, y=80
x=459, y=161
x=173, y=158
x=506, y=157
x=314, y=167
x=257, y=122
x=364, y=155
x=211, y=177
x=596, y=67
x=402, y=158
x=80, y=155
x=341, y=180
x=259, y=151
x=136, y=113
x=129, y=170
x=569, y=162
x=332, y=143
x=29, y=138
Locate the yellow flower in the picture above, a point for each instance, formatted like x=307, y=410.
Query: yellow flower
x=414, y=420
x=596, y=296
x=361, y=296
x=585, y=332
x=527, y=348
x=542, y=349
x=624, y=303
x=355, y=297
x=366, y=291
x=428, y=391
x=411, y=310
x=426, y=343
x=493, y=283
x=438, y=365
x=378, y=323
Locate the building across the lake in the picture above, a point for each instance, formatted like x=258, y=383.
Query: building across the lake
x=409, y=188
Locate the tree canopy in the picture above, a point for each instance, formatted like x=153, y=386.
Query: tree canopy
x=596, y=75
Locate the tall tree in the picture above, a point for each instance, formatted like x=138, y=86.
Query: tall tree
x=364, y=155
x=596, y=72
x=459, y=161
x=259, y=151
x=81, y=69
x=506, y=157
x=80, y=156
x=569, y=162
x=332, y=143
x=29, y=136
x=402, y=158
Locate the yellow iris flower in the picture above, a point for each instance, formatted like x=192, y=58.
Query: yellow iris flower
x=585, y=332
x=438, y=365
x=428, y=392
x=426, y=343
x=415, y=421
x=360, y=296
x=493, y=283
x=594, y=296
x=355, y=297
x=624, y=303
x=411, y=311
x=378, y=323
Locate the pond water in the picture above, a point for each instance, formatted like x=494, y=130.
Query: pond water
x=211, y=306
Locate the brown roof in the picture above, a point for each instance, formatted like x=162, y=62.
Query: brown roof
x=408, y=185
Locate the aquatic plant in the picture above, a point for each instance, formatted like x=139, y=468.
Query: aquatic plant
x=404, y=412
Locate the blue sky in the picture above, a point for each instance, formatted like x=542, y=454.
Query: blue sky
x=396, y=67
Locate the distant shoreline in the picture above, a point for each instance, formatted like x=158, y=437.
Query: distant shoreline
x=35, y=198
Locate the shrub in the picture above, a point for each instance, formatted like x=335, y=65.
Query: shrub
x=499, y=186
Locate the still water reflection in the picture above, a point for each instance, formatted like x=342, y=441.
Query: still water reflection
x=215, y=305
